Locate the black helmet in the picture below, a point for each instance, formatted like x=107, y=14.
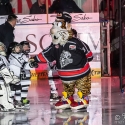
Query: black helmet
x=25, y=43
x=64, y=15
x=12, y=46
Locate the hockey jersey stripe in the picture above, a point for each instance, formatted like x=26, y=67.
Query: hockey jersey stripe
x=76, y=72
x=74, y=77
x=41, y=57
x=89, y=54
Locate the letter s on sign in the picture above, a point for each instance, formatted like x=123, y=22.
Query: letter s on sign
x=41, y=41
x=32, y=43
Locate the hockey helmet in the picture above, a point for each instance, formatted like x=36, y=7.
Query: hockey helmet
x=64, y=16
x=25, y=47
x=12, y=46
x=3, y=49
x=1, y=44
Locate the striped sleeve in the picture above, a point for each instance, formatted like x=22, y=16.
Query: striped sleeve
x=88, y=52
x=45, y=55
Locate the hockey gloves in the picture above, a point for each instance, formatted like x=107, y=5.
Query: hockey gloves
x=33, y=64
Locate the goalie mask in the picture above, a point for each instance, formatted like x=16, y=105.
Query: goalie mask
x=61, y=30
x=2, y=49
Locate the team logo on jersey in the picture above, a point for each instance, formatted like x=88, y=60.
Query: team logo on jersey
x=72, y=47
x=65, y=58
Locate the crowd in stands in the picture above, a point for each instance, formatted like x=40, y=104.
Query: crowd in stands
x=5, y=7
x=70, y=6
x=39, y=7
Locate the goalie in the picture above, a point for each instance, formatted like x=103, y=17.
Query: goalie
x=6, y=77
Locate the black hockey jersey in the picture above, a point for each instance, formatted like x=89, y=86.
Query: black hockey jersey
x=71, y=59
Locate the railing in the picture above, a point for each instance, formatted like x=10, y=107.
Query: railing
x=105, y=48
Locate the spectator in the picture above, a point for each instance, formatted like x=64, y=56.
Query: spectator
x=5, y=7
x=38, y=7
x=6, y=30
x=104, y=8
x=64, y=5
x=103, y=5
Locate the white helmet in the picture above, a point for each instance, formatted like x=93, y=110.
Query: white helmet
x=3, y=52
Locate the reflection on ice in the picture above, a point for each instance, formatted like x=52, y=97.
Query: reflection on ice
x=44, y=113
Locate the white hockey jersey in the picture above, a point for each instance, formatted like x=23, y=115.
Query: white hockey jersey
x=25, y=74
x=18, y=62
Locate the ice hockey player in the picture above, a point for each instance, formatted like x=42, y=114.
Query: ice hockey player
x=25, y=75
x=72, y=60
x=6, y=77
x=25, y=80
x=17, y=61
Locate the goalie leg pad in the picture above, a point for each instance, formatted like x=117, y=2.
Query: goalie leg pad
x=9, y=94
x=6, y=75
x=5, y=99
x=1, y=91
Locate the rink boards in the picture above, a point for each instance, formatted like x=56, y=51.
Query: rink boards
x=36, y=31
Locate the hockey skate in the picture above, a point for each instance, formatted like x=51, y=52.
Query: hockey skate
x=54, y=97
x=18, y=105
x=64, y=102
x=81, y=103
x=26, y=104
